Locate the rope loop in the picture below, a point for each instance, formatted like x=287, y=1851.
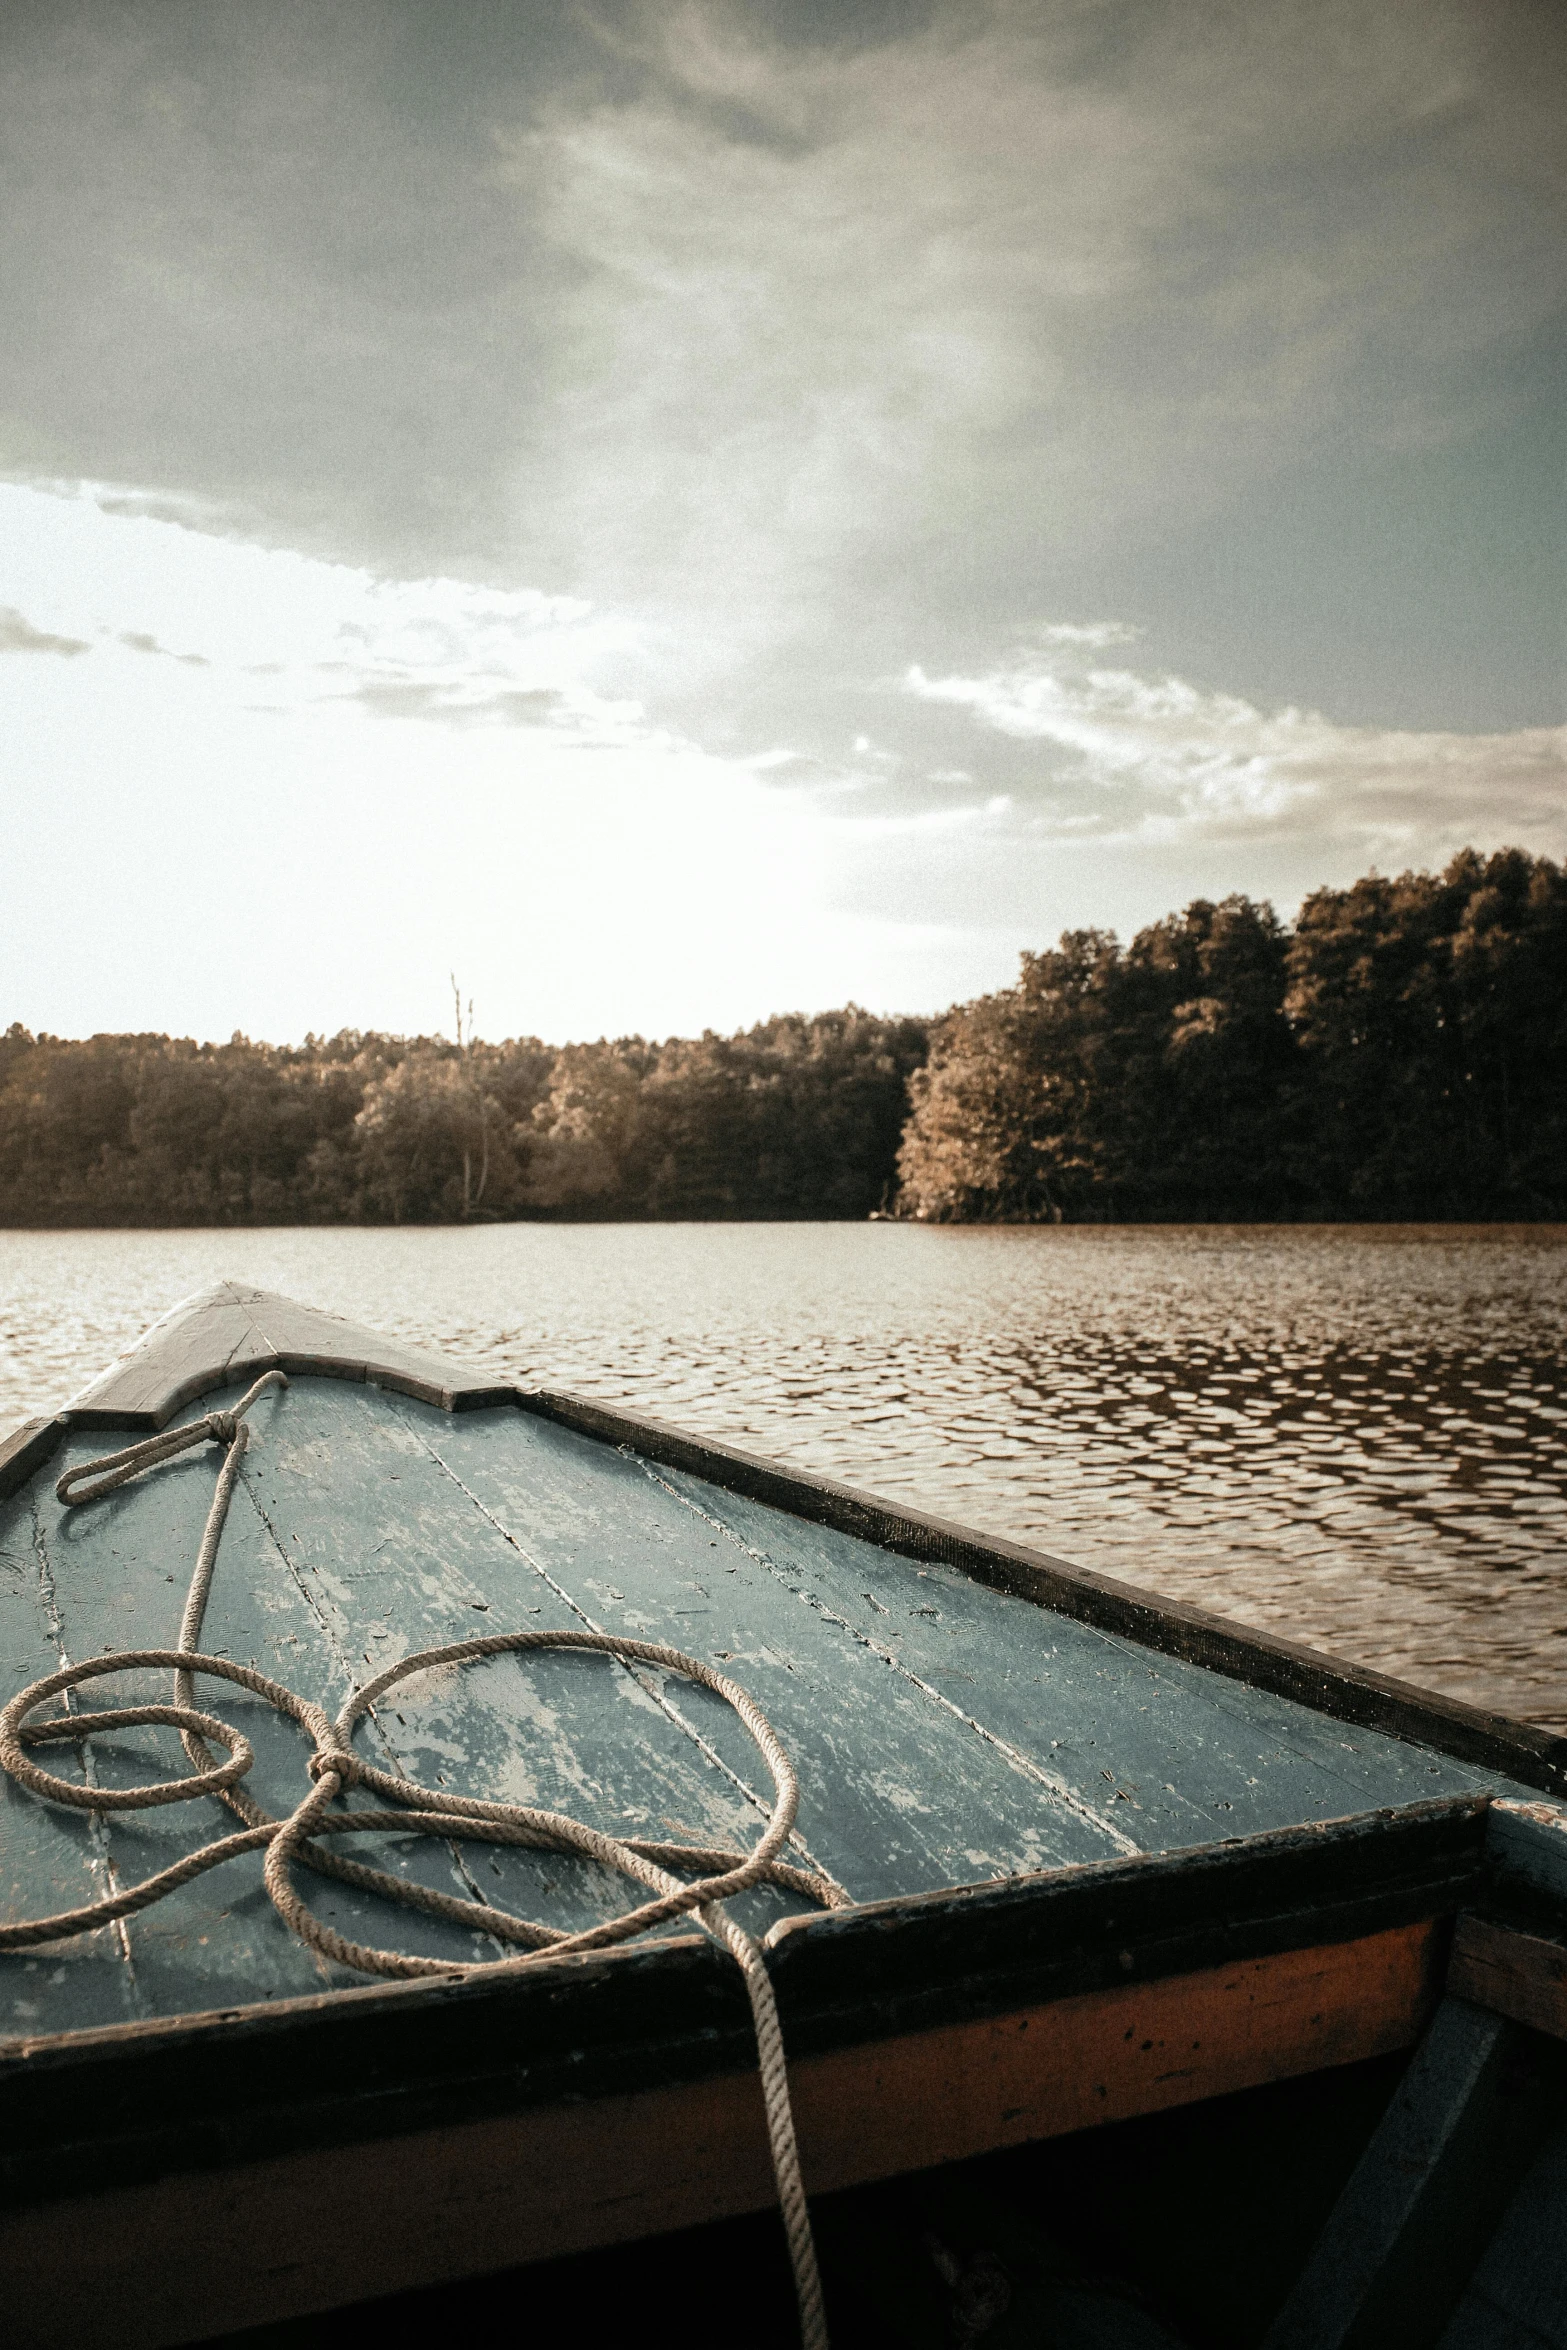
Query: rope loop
x=17, y=1733
x=715, y=1874
x=96, y=1478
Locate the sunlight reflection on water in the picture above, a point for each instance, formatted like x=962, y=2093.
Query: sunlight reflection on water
x=1351, y=1435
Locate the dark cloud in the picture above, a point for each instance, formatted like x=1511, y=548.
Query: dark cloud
x=819, y=339
x=18, y=635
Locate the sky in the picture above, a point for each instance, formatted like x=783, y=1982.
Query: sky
x=680, y=512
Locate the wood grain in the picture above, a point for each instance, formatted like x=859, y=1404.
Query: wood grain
x=1348, y=1693
x=26, y=1450
x=229, y=1334
x=368, y=1526
x=1526, y=1847
x=195, y=2254
x=1516, y=1974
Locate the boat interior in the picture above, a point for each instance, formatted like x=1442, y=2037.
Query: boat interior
x=1173, y=1985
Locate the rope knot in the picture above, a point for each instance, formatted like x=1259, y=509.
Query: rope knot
x=221, y=1427
x=338, y=1759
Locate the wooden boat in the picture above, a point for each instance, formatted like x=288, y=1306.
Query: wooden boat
x=1147, y=1922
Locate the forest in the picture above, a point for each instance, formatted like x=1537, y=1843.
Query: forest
x=1400, y=1052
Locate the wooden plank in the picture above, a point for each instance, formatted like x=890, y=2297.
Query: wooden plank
x=131, y=2101
x=1402, y=2240
x=1514, y=1974
x=117, y=1572
x=1533, y=1758
x=900, y=1792
x=27, y=1448
x=395, y=1559
x=354, y=1544
x=344, y=1545
x=172, y=1366
x=50, y=1858
x=183, y=1355
x=447, y=1395
x=977, y=1949
x=1526, y=1845
x=232, y=1332
x=246, y=2245
x=1158, y=1752
x=1182, y=1752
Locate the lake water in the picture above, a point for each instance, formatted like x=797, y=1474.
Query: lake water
x=1353, y=1436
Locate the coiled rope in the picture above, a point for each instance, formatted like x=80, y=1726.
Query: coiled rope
x=334, y=1767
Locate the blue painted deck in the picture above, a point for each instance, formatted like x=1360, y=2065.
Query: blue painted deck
x=944, y=1732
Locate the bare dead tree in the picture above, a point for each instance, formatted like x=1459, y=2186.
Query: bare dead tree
x=473, y=1083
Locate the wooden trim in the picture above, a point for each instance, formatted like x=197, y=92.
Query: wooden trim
x=229, y=1334
x=25, y=1450
x=1349, y=1693
x=1526, y=1851
x=135, y=2101
x=276, y=2239
x=1516, y=1974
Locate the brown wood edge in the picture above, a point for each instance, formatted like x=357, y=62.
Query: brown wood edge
x=1516, y=1973
x=456, y=1397
x=1349, y=1693
x=25, y=1450
x=278, y=2238
x=1152, y=1914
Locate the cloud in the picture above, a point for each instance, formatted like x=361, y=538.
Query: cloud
x=798, y=335
x=586, y=720
x=433, y=651
x=18, y=635
x=1126, y=757
x=443, y=652
x=137, y=641
x=408, y=697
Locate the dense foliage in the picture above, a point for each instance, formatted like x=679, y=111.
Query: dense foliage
x=1402, y=1053
x=797, y=1117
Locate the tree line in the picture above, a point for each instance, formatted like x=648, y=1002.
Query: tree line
x=794, y=1118
x=1400, y=1052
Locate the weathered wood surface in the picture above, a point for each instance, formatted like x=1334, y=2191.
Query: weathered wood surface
x=1510, y=1952
x=229, y=1334
x=1513, y=1972
x=134, y=2100
x=309, y=2229
x=1105, y=1856
x=232, y=1332
x=1166, y=1751
x=27, y=1449
x=1352, y=1694
x=945, y=1731
x=1526, y=1845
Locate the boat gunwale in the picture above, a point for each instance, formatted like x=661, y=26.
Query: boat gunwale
x=354, y=2063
